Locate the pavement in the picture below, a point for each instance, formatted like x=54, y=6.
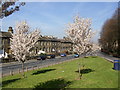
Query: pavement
x=107, y=57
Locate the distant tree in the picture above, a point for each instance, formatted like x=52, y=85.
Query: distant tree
x=23, y=41
x=80, y=33
x=8, y=7
x=118, y=19
x=110, y=34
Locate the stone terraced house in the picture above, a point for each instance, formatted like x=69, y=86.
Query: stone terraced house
x=49, y=44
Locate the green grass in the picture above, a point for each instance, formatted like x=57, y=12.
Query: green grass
x=97, y=73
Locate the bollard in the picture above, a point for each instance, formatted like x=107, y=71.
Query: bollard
x=18, y=70
x=37, y=67
x=32, y=68
x=11, y=73
x=2, y=75
x=26, y=69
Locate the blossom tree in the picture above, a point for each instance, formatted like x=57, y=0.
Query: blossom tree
x=8, y=7
x=23, y=41
x=80, y=33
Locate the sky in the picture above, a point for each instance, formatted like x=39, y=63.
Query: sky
x=52, y=17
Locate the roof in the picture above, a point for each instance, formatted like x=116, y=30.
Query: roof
x=45, y=38
x=5, y=34
x=55, y=40
x=49, y=39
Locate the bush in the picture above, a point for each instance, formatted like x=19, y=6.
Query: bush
x=115, y=54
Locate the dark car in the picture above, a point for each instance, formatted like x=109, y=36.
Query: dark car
x=76, y=55
x=50, y=56
x=42, y=57
x=63, y=55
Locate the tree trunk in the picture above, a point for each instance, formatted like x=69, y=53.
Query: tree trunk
x=23, y=69
x=79, y=71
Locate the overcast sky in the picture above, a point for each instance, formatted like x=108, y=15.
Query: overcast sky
x=52, y=17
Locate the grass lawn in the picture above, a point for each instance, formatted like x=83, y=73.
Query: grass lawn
x=97, y=73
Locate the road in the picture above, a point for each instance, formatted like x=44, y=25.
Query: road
x=6, y=68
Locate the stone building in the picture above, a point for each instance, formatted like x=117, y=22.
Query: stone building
x=49, y=44
x=5, y=41
x=53, y=45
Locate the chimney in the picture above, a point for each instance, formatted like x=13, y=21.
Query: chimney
x=10, y=30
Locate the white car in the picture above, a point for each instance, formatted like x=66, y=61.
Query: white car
x=3, y=55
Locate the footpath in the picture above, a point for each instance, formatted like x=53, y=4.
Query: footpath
x=107, y=57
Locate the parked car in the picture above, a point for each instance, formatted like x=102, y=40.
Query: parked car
x=52, y=56
x=76, y=55
x=41, y=57
x=49, y=56
x=63, y=55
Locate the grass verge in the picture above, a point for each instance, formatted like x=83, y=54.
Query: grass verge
x=96, y=73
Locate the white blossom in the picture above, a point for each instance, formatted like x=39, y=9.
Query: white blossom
x=23, y=40
x=80, y=33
